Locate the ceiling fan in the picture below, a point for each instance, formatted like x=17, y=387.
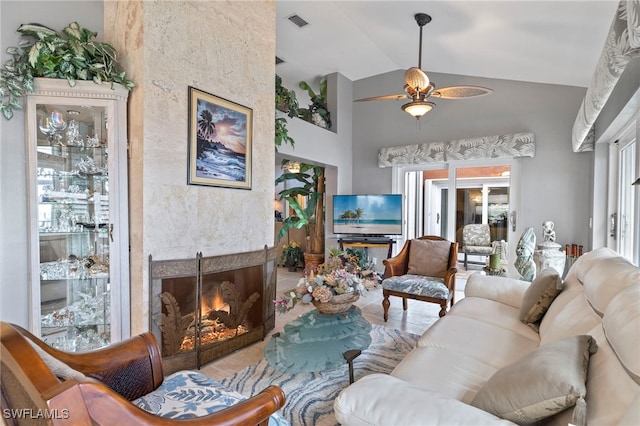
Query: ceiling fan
x=418, y=87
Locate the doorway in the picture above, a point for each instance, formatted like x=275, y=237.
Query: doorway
x=442, y=199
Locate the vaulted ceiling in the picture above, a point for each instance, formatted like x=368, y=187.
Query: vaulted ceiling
x=556, y=42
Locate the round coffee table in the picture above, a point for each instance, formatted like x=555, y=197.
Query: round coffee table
x=317, y=342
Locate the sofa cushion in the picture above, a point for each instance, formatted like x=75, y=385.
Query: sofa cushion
x=540, y=384
x=380, y=399
x=454, y=374
x=621, y=324
x=478, y=339
x=189, y=394
x=503, y=316
x=501, y=289
x=538, y=297
x=577, y=317
x=606, y=277
x=429, y=258
x=418, y=285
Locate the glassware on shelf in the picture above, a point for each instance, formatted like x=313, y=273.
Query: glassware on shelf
x=45, y=126
x=73, y=134
x=53, y=125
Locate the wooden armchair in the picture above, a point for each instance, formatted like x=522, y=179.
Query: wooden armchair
x=100, y=385
x=425, y=272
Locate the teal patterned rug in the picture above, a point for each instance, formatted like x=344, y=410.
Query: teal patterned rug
x=310, y=395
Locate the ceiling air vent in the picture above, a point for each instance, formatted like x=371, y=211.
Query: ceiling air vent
x=279, y=60
x=296, y=19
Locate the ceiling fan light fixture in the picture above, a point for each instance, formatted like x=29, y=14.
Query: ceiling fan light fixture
x=418, y=108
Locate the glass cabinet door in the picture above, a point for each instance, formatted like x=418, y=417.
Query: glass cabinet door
x=74, y=223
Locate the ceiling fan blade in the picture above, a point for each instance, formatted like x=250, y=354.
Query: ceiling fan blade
x=460, y=92
x=416, y=78
x=382, y=98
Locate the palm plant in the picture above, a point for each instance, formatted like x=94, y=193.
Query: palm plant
x=206, y=126
x=310, y=217
x=44, y=52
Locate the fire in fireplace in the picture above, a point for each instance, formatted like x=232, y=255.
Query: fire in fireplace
x=204, y=308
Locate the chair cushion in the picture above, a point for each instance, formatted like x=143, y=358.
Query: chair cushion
x=188, y=394
x=540, y=384
x=429, y=258
x=418, y=285
x=538, y=297
x=477, y=249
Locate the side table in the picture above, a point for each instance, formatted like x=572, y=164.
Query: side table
x=317, y=342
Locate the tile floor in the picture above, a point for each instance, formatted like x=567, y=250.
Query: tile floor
x=414, y=320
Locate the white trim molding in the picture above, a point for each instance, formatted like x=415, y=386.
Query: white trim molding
x=480, y=148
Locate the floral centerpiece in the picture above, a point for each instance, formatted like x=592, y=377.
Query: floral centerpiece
x=291, y=255
x=338, y=281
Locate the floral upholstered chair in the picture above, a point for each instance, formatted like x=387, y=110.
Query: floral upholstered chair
x=425, y=270
x=476, y=239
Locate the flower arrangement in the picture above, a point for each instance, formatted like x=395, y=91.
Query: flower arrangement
x=291, y=254
x=342, y=273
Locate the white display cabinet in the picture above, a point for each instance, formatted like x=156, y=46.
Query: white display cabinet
x=77, y=194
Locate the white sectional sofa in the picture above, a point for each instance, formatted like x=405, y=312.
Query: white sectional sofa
x=482, y=334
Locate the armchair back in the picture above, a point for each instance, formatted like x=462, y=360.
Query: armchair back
x=399, y=264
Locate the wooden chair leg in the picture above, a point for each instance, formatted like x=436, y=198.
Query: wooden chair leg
x=404, y=303
x=443, y=309
x=385, y=306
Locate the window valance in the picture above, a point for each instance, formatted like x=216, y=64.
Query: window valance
x=498, y=146
x=622, y=44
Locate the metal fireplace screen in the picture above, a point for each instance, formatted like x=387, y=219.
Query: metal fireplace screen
x=207, y=307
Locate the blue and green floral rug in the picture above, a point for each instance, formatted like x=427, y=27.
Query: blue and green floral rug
x=310, y=395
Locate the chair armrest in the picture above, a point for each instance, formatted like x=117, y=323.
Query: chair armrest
x=105, y=407
x=397, y=265
x=132, y=367
x=450, y=279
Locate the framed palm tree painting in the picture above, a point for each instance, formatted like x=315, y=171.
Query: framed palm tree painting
x=220, y=136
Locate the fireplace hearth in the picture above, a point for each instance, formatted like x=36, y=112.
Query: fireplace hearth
x=207, y=307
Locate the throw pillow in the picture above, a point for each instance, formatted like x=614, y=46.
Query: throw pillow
x=429, y=257
x=539, y=295
x=542, y=383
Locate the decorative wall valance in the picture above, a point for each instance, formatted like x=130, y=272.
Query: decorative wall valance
x=499, y=146
x=622, y=44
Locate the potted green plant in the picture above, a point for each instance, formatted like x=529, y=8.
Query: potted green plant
x=310, y=184
x=286, y=102
x=291, y=256
x=318, y=112
x=44, y=52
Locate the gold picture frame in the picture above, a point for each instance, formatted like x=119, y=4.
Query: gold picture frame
x=220, y=141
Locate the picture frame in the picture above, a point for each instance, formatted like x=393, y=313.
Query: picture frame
x=220, y=141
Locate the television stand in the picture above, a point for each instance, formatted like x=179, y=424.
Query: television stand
x=367, y=242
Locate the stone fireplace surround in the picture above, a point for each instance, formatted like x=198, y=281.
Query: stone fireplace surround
x=189, y=280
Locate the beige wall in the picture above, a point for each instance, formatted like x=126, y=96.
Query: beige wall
x=224, y=48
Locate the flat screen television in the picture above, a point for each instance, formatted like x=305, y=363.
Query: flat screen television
x=367, y=214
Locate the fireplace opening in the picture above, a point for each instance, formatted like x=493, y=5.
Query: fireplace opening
x=215, y=311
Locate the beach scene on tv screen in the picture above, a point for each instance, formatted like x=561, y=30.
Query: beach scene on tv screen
x=367, y=214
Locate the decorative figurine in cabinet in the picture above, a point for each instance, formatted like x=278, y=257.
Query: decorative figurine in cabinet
x=77, y=191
